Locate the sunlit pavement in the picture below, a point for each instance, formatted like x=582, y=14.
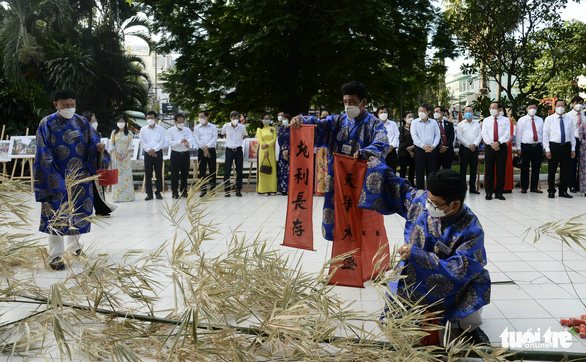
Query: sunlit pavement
x=531, y=289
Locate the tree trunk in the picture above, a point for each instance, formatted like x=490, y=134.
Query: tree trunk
x=499, y=89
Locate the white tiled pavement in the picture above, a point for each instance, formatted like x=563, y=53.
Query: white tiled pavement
x=530, y=290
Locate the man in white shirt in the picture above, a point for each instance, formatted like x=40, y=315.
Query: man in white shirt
x=392, y=135
x=529, y=133
x=426, y=137
x=180, y=140
x=152, y=140
x=206, y=136
x=496, y=132
x=469, y=135
x=559, y=143
x=235, y=133
x=578, y=116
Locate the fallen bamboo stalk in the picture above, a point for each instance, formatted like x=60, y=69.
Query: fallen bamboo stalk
x=515, y=354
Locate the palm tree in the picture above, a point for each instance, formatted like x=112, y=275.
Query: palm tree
x=24, y=28
x=70, y=66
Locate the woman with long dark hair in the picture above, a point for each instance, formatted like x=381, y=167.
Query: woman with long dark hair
x=122, y=151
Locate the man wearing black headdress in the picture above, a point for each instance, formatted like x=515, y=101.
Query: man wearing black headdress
x=444, y=253
x=68, y=148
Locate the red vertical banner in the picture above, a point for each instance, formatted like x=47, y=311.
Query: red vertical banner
x=357, y=230
x=348, y=180
x=374, y=237
x=299, y=224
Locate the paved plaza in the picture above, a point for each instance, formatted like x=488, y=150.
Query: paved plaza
x=531, y=289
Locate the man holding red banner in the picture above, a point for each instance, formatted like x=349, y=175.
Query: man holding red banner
x=444, y=250
x=355, y=133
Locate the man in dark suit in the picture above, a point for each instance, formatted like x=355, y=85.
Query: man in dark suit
x=446, y=146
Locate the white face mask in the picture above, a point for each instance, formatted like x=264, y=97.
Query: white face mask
x=67, y=113
x=285, y=122
x=180, y=126
x=501, y=113
x=95, y=125
x=234, y=122
x=352, y=111
x=445, y=118
x=422, y=115
x=120, y=125
x=280, y=118
x=383, y=116
x=409, y=120
x=578, y=107
x=433, y=212
x=560, y=110
x=202, y=120
x=266, y=122
x=150, y=121
x=532, y=111
x=437, y=115
x=494, y=112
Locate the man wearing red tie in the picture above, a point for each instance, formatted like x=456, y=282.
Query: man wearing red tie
x=496, y=132
x=529, y=133
x=559, y=143
x=577, y=116
x=445, y=156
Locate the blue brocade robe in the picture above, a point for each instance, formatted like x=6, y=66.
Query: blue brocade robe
x=65, y=147
x=365, y=133
x=458, y=282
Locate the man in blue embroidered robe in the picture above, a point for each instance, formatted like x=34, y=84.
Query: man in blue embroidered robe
x=66, y=145
x=355, y=133
x=444, y=253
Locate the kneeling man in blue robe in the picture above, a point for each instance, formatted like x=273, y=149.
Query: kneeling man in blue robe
x=443, y=256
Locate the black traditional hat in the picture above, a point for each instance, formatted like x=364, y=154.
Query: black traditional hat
x=64, y=94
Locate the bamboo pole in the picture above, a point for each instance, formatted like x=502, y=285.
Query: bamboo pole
x=515, y=354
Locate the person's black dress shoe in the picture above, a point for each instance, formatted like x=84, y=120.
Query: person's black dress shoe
x=176, y=196
x=227, y=194
x=77, y=252
x=184, y=195
x=238, y=194
x=524, y=191
x=477, y=336
x=158, y=196
x=551, y=195
x=149, y=197
x=203, y=193
x=566, y=195
x=57, y=264
x=573, y=190
x=488, y=196
x=475, y=192
x=500, y=197
x=537, y=191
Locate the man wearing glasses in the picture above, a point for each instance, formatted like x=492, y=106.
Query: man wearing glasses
x=444, y=256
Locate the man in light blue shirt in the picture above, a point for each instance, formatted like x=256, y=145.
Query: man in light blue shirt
x=426, y=136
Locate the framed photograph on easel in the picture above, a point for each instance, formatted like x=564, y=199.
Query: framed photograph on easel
x=166, y=152
x=221, y=149
x=250, y=149
x=23, y=146
x=5, y=150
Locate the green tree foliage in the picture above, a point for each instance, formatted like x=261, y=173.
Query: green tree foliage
x=524, y=41
x=564, y=83
x=289, y=55
x=78, y=44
